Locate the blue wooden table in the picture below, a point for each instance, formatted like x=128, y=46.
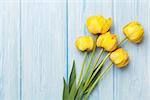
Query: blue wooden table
x=37, y=48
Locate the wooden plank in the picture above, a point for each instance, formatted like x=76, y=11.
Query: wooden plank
x=143, y=58
x=147, y=80
x=43, y=49
x=9, y=50
x=131, y=82
x=78, y=11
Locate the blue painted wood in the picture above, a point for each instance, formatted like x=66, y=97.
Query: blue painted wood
x=78, y=12
x=37, y=42
x=43, y=49
x=130, y=83
x=9, y=50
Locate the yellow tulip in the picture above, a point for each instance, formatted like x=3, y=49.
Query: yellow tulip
x=107, y=41
x=84, y=43
x=98, y=24
x=134, y=31
x=119, y=57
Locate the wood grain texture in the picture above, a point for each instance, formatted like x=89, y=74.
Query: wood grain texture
x=37, y=48
x=9, y=50
x=43, y=49
x=130, y=83
x=78, y=11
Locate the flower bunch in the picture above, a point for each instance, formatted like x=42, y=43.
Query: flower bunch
x=108, y=42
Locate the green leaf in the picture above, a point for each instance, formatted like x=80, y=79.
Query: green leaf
x=65, y=90
x=72, y=92
x=94, y=79
x=72, y=83
x=80, y=91
x=72, y=78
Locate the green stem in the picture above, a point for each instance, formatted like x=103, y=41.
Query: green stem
x=85, y=56
x=84, y=77
x=107, y=68
x=99, y=67
x=91, y=57
x=101, y=64
x=99, y=55
x=125, y=38
x=97, y=80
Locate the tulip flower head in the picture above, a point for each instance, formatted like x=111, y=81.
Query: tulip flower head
x=134, y=31
x=119, y=57
x=84, y=43
x=98, y=24
x=107, y=41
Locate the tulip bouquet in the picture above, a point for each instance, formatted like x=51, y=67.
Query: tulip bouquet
x=88, y=79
